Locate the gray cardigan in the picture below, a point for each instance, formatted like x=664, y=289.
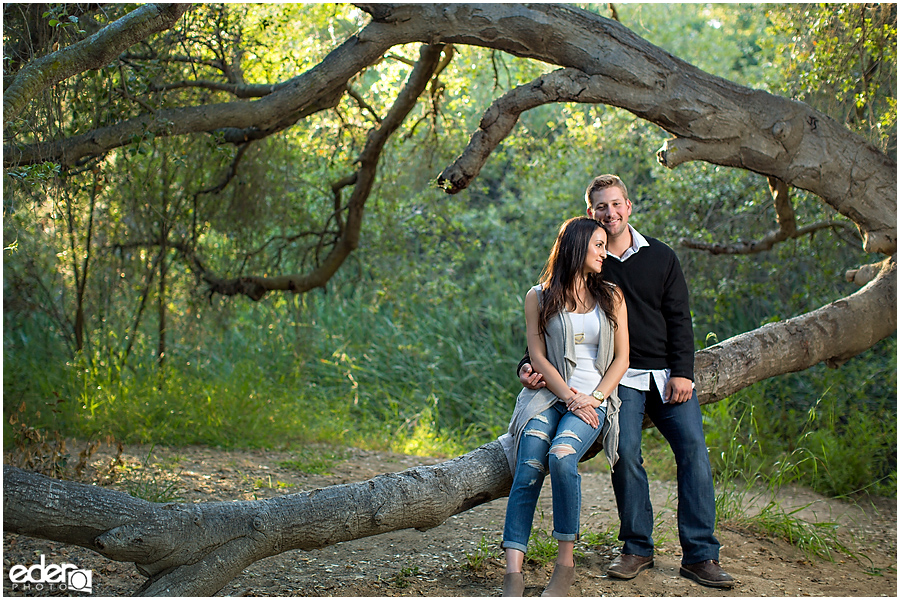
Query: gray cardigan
x=560, y=342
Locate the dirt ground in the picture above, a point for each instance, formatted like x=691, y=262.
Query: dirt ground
x=461, y=556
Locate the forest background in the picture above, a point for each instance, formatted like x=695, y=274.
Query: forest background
x=411, y=346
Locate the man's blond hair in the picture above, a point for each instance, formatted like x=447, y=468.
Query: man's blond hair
x=601, y=182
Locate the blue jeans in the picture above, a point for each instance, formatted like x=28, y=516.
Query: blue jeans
x=682, y=426
x=553, y=441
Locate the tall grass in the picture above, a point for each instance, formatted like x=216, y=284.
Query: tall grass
x=748, y=489
x=841, y=442
x=356, y=371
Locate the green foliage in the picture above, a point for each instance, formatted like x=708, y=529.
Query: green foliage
x=542, y=548
x=734, y=504
x=745, y=480
x=842, y=59
x=402, y=577
x=608, y=537
x=842, y=448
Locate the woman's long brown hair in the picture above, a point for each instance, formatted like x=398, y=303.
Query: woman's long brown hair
x=565, y=265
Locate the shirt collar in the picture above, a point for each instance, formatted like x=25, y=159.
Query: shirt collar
x=637, y=242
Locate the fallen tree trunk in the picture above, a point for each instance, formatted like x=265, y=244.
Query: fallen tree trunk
x=832, y=334
x=196, y=549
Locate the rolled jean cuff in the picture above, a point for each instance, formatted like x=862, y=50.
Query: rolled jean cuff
x=514, y=546
x=565, y=537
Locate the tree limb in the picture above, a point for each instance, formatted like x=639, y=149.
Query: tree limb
x=255, y=287
x=787, y=227
x=236, y=89
x=91, y=53
x=767, y=242
x=715, y=120
x=832, y=334
x=195, y=549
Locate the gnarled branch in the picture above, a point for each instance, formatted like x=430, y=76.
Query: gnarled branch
x=195, y=549
x=255, y=287
x=91, y=53
x=714, y=119
x=238, y=90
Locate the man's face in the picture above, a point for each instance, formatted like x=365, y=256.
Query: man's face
x=611, y=209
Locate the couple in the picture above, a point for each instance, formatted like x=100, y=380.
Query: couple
x=602, y=352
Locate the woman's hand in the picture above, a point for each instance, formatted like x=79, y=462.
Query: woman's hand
x=582, y=406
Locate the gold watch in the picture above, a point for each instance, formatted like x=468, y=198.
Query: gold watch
x=598, y=395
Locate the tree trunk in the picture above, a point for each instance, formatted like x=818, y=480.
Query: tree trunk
x=195, y=549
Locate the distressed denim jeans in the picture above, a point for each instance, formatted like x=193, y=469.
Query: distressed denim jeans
x=682, y=426
x=553, y=442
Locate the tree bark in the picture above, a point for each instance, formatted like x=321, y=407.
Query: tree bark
x=195, y=549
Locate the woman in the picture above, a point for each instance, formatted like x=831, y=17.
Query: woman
x=577, y=329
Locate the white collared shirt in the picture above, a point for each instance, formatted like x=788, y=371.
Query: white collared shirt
x=639, y=379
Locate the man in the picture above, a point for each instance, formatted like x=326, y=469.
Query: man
x=659, y=383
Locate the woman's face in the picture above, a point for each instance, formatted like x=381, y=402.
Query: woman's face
x=596, y=254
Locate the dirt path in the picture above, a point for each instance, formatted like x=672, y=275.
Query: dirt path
x=439, y=562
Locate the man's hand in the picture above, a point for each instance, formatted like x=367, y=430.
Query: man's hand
x=531, y=379
x=678, y=390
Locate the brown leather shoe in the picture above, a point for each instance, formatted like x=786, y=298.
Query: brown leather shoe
x=708, y=573
x=627, y=566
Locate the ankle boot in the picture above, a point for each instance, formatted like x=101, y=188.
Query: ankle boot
x=514, y=584
x=560, y=581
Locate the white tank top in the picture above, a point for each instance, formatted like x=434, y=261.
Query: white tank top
x=586, y=328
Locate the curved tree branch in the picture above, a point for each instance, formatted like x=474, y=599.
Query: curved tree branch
x=255, y=287
x=90, y=53
x=767, y=242
x=715, y=120
x=832, y=334
x=787, y=227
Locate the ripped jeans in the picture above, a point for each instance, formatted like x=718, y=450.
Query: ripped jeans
x=571, y=438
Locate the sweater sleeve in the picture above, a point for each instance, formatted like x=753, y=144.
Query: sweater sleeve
x=679, y=328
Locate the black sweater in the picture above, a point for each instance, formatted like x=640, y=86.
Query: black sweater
x=660, y=331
